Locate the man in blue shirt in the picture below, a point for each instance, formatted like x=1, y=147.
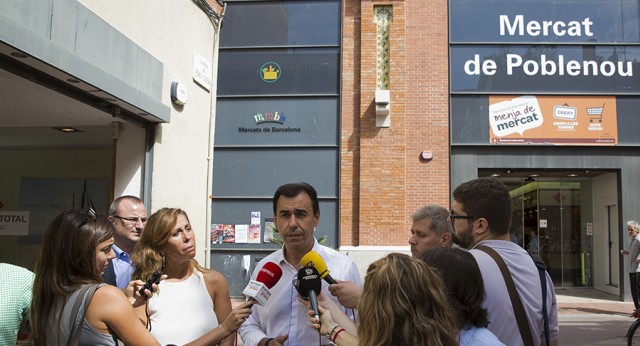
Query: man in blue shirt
x=129, y=216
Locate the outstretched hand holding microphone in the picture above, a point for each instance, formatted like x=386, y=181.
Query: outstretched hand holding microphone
x=258, y=290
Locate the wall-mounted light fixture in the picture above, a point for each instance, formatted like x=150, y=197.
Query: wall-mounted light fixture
x=66, y=129
x=383, y=108
x=426, y=155
x=178, y=93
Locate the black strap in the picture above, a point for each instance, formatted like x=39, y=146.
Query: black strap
x=516, y=302
x=87, y=290
x=542, y=270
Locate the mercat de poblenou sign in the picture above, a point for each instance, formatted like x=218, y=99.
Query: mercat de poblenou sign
x=263, y=120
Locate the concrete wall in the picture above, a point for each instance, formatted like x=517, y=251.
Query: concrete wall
x=605, y=195
x=171, y=32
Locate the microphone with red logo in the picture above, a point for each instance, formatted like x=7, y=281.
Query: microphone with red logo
x=258, y=289
x=313, y=259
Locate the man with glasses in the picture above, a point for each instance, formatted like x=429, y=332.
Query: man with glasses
x=129, y=216
x=481, y=216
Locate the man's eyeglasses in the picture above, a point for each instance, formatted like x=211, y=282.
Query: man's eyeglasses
x=132, y=220
x=453, y=216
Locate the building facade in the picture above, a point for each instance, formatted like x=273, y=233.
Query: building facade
x=383, y=106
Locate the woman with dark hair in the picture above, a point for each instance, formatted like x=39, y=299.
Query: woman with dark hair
x=462, y=278
x=191, y=300
x=76, y=248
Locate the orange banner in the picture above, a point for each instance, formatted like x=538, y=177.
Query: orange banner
x=559, y=120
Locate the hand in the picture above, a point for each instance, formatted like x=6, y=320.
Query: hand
x=279, y=341
x=326, y=320
x=347, y=292
x=133, y=288
x=237, y=317
x=624, y=252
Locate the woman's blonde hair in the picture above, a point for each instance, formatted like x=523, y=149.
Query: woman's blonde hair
x=147, y=255
x=403, y=303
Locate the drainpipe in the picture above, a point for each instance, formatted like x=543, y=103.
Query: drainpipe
x=217, y=25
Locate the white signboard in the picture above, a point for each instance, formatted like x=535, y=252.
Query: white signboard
x=14, y=222
x=202, y=71
x=543, y=223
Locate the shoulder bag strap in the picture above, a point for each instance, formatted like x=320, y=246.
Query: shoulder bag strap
x=518, y=309
x=87, y=290
x=542, y=270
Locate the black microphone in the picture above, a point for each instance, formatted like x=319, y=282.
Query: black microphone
x=309, y=286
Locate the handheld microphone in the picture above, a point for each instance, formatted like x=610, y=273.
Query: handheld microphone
x=313, y=259
x=259, y=289
x=309, y=286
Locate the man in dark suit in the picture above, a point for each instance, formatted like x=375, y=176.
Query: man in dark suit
x=129, y=216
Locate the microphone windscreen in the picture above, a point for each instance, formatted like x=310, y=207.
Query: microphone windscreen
x=313, y=259
x=269, y=274
x=309, y=280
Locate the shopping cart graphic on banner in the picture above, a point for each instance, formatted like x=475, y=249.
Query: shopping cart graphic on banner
x=595, y=113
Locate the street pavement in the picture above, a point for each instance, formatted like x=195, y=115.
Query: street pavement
x=587, y=317
x=591, y=317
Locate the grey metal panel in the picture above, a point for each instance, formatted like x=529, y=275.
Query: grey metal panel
x=117, y=54
x=302, y=71
x=259, y=172
x=64, y=22
x=139, y=84
x=280, y=23
x=317, y=119
x=465, y=162
x=231, y=264
x=33, y=14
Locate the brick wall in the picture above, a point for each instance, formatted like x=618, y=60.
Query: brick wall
x=382, y=177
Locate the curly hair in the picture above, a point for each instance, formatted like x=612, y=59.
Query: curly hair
x=67, y=260
x=147, y=256
x=403, y=303
x=462, y=277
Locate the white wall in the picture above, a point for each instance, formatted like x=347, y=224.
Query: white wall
x=365, y=255
x=172, y=31
x=129, y=160
x=605, y=194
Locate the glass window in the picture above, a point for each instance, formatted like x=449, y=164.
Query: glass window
x=277, y=121
x=281, y=23
x=301, y=71
x=258, y=171
x=545, y=69
x=608, y=21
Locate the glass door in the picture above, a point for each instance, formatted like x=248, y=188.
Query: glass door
x=546, y=221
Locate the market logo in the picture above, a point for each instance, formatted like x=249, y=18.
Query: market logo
x=270, y=72
x=515, y=116
x=270, y=117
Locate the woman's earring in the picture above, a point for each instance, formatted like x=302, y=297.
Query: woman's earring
x=163, y=260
